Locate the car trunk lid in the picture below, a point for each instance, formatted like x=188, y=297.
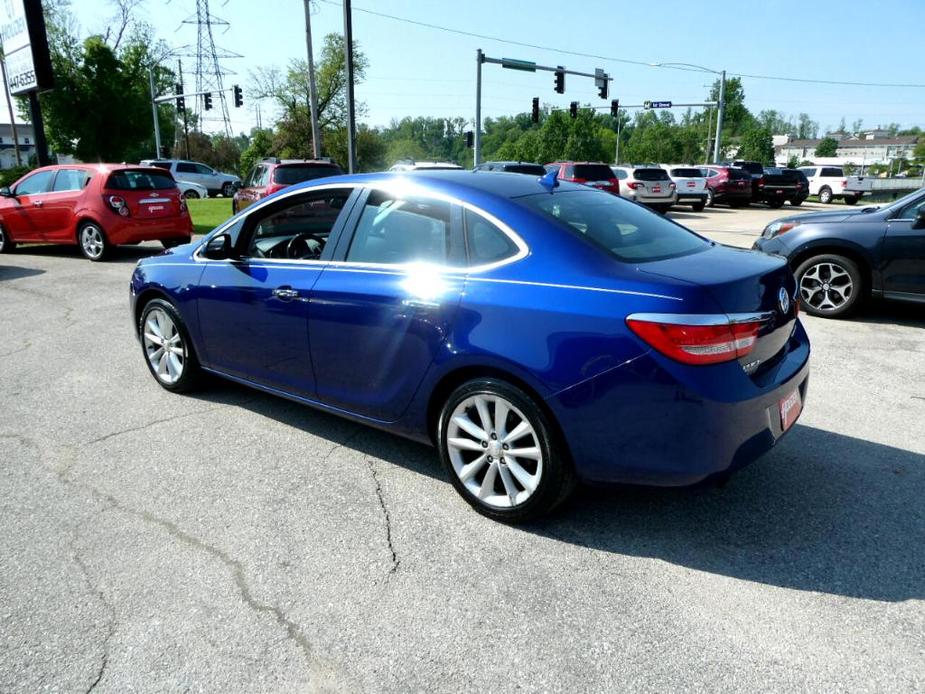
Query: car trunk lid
x=146, y=193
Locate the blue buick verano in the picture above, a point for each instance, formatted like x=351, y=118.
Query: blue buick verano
x=538, y=333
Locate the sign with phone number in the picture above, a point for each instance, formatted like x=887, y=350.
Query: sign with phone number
x=24, y=45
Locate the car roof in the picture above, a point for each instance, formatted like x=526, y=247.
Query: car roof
x=101, y=168
x=454, y=182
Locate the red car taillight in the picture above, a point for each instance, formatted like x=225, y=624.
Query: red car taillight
x=633, y=185
x=696, y=340
x=579, y=180
x=761, y=182
x=273, y=187
x=118, y=205
x=182, y=204
x=844, y=183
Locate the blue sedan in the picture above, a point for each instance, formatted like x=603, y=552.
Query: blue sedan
x=538, y=333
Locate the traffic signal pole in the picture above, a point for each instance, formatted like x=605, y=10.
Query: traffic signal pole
x=157, y=125
x=525, y=66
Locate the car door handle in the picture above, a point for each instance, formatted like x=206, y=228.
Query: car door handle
x=285, y=293
x=37, y=203
x=420, y=303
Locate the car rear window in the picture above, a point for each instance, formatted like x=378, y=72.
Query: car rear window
x=289, y=174
x=627, y=232
x=140, y=179
x=687, y=173
x=593, y=172
x=650, y=175
x=738, y=174
x=532, y=169
x=750, y=166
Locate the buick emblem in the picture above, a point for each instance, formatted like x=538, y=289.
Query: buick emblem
x=783, y=300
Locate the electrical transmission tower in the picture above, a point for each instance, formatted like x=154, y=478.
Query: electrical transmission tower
x=209, y=73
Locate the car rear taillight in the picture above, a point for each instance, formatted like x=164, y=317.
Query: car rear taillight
x=761, y=182
x=615, y=185
x=182, y=204
x=844, y=183
x=633, y=185
x=273, y=187
x=117, y=203
x=696, y=340
x=579, y=180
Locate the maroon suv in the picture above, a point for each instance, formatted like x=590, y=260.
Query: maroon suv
x=273, y=174
x=728, y=185
x=592, y=173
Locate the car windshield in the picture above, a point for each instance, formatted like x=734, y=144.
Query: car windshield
x=687, y=173
x=627, y=232
x=593, y=172
x=906, y=199
x=287, y=175
x=140, y=179
x=650, y=175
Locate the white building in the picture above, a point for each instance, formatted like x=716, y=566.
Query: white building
x=863, y=151
x=26, y=137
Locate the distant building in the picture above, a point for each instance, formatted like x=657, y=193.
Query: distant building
x=26, y=138
x=866, y=149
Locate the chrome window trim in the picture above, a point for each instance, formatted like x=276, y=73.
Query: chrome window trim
x=702, y=318
x=396, y=187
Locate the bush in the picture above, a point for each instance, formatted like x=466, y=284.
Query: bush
x=9, y=176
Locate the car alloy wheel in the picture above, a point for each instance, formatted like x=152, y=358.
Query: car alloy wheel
x=709, y=200
x=227, y=190
x=825, y=195
x=501, y=454
x=191, y=194
x=829, y=285
x=164, y=346
x=93, y=242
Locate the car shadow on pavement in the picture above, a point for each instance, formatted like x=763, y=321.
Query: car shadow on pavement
x=119, y=254
x=890, y=312
x=13, y=272
x=823, y=512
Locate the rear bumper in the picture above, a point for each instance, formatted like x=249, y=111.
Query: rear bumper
x=654, y=199
x=654, y=421
x=733, y=195
x=692, y=197
x=120, y=230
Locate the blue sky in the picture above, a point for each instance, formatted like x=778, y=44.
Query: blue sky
x=420, y=71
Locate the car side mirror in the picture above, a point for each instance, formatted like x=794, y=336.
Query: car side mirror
x=919, y=221
x=5, y=192
x=219, y=248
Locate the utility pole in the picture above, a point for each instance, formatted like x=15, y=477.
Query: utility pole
x=351, y=114
x=477, y=136
x=9, y=105
x=312, y=92
x=719, y=118
x=706, y=154
x=185, y=113
x=619, y=128
x=157, y=125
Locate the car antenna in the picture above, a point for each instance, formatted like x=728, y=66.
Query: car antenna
x=550, y=180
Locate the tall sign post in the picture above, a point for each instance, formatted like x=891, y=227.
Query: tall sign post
x=28, y=64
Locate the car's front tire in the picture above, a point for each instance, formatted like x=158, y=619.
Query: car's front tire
x=167, y=348
x=191, y=194
x=93, y=242
x=6, y=243
x=501, y=452
x=831, y=286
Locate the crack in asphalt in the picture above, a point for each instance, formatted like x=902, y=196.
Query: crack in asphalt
x=67, y=317
x=385, y=514
x=111, y=627
x=27, y=345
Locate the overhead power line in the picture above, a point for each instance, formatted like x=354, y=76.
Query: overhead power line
x=612, y=59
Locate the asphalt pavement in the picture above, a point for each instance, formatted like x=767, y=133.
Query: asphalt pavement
x=233, y=541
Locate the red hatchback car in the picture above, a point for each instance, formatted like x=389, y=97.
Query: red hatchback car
x=273, y=174
x=591, y=173
x=95, y=206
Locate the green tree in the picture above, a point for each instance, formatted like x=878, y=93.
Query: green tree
x=793, y=162
x=807, y=128
x=827, y=147
x=260, y=146
x=757, y=145
x=736, y=117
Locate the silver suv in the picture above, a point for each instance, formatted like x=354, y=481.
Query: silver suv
x=650, y=186
x=214, y=181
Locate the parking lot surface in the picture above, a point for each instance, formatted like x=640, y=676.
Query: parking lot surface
x=233, y=541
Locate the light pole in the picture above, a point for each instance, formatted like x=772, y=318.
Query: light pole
x=721, y=108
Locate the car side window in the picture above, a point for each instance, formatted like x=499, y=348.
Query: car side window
x=912, y=209
x=486, y=242
x=70, y=179
x=203, y=170
x=296, y=228
x=620, y=174
x=185, y=167
x=263, y=178
x=409, y=229
x=809, y=172
x=36, y=183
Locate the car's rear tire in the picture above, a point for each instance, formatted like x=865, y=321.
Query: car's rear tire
x=234, y=206
x=776, y=203
x=191, y=194
x=7, y=245
x=830, y=286
x=482, y=425
x=825, y=195
x=852, y=199
x=228, y=190
x=167, y=348
x=698, y=206
x=710, y=198
x=93, y=242
x=796, y=202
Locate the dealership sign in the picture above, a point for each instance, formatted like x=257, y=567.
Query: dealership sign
x=25, y=46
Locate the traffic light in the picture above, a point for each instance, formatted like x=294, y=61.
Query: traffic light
x=181, y=102
x=470, y=138
x=560, y=80
x=535, y=116
x=573, y=109
x=238, y=97
x=207, y=101
x=615, y=108
x=602, y=82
